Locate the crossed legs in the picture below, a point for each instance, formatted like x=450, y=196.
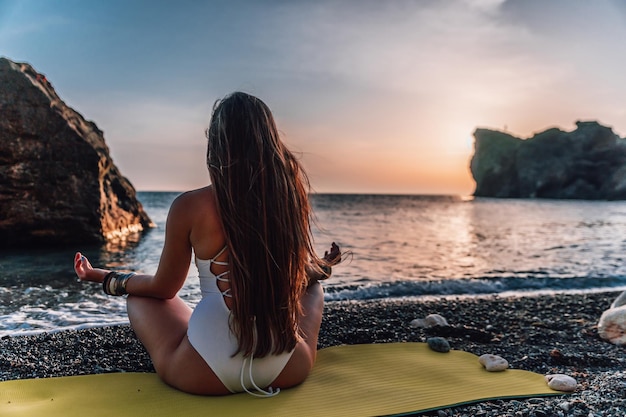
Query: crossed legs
x=161, y=325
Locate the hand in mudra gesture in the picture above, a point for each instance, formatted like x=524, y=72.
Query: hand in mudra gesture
x=333, y=257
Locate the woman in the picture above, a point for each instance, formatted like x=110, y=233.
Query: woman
x=257, y=324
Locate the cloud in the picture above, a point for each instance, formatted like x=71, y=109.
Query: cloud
x=381, y=85
x=438, y=52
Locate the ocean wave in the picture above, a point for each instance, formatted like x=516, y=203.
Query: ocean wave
x=36, y=317
x=469, y=287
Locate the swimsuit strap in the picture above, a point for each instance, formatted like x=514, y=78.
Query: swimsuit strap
x=227, y=292
x=222, y=263
x=220, y=277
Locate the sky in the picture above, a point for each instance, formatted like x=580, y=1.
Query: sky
x=373, y=96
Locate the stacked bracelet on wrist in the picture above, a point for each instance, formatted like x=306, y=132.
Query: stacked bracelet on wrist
x=114, y=283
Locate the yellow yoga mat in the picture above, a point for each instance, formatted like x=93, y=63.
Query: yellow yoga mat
x=354, y=380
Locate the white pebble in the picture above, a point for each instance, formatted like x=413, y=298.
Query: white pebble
x=612, y=325
x=431, y=320
x=565, y=405
x=435, y=320
x=493, y=363
x=561, y=382
x=417, y=324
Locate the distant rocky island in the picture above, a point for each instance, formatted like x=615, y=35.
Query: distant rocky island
x=58, y=183
x=588, y=163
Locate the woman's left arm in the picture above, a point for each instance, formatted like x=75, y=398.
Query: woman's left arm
x=173, y=265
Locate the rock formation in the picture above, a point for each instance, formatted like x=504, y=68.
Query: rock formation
x=587, y=163
x=58, y=184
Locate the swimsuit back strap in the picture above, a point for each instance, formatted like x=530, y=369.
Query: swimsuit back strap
x=220, y=277
x=222, y=263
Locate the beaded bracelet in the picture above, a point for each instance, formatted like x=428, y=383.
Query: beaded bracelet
x=114, y=283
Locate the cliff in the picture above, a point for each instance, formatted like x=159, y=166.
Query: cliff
x=58, y=183
x=588, y=163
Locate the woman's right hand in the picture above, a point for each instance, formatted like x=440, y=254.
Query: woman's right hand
x=333, y=257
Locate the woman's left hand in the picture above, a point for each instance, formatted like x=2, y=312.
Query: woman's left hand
x=84, y=270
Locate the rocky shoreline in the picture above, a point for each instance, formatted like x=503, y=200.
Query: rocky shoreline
x=544, y=334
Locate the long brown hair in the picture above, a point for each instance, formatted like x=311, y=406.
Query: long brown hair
x=262, y=197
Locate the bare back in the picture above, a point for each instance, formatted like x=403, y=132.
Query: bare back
x=206, y=235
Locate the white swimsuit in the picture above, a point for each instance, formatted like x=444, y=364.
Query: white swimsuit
x=209, y=333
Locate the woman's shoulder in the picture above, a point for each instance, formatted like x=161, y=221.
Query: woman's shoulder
x=199, y=200
x=198, y=210
x=204, y=195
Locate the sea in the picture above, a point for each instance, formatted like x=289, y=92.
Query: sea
x=397, y=247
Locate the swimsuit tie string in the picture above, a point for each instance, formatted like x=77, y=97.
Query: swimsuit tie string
x=260, y=391
x=270, y=392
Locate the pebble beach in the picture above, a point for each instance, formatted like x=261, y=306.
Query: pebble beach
x=546, y=334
